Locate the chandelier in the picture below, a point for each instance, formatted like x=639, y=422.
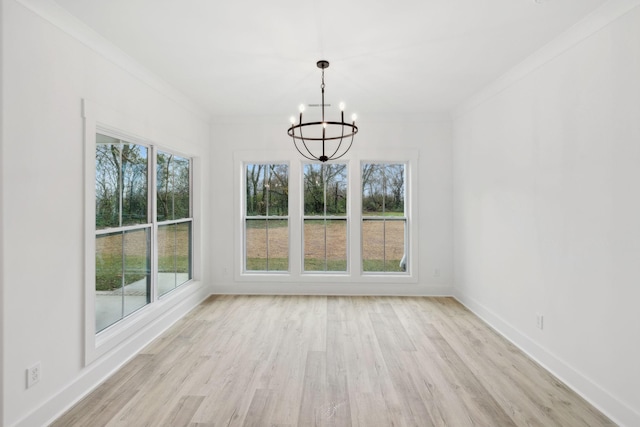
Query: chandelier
x=324, y=140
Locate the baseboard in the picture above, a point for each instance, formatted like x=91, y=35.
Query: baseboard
x=619, y=412
x=96, y=373
x=328, y=289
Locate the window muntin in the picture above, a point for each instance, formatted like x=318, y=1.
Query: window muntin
x=325, y=217
x=384, y=221
x=266, y=219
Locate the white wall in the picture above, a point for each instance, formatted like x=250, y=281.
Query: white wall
x=547, y=211
x=2, y=321
x=428, y=136
x=46, y=74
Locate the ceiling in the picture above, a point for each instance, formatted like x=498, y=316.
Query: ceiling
x=250, y=57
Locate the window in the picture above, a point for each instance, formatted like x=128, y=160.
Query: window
x=293, y=221
x=173, y=210
x=325, y=217
x=266, y=228
x=127, y=234
x=384, y=221
x=123, y=279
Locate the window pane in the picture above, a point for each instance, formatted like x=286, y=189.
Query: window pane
x=325, y=245
x=336, y=245
x=383, y=245
x=121, y=183
x=325, y=189
x=172, y=186
x=372, y=245
x=134, y=184
x=372, y=189
x=183, y=252
x=383, y=189
x=313, y=189
x=137, y=279
x=166, y=258
x=314, y=245
x=181, y=186
x=107, y=182
x=335, y=178
x=278, y=190
x=278, y=249
x=256, y=245
x=109, y=267
x=394, y=190
x=394, y=245
x=256, y=190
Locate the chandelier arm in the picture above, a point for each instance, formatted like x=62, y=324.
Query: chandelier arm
x=347, y=150
x=295, y=144
x=304, y=142
x=339, y=143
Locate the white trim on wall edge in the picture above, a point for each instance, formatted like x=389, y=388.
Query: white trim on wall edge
x=65, y=21
x=591, y=24
x=328, y=289
x=619, y=412
x=100, y=370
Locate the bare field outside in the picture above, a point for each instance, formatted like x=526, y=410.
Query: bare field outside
x=381, y=241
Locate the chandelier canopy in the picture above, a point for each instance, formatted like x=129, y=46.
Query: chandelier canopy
x=323, y=140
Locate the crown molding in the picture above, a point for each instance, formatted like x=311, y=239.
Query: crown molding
x=591, y=24
x=65, y=21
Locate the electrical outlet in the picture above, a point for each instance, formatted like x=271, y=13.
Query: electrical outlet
x=436, y=272
x=33, y=375
x=540, y=321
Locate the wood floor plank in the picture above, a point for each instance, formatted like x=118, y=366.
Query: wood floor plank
x=399, y=369
x=182, y=413
x=259, y=409
x=284, y=361
x=313, y=390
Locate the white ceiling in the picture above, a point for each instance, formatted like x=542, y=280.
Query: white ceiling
x=259, y=57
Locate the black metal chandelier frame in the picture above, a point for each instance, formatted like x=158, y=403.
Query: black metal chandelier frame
x=346, y=132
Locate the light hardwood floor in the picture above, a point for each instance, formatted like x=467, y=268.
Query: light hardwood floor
x=341, y=361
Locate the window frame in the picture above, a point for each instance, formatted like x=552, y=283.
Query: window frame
x=246, y=217
x=325, y=217
x=157, y=224
x=382, y=218
x=353, y=280
x=98, y=119
x=124, y=229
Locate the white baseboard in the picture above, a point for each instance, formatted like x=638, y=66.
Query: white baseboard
x=96, y=373
x=619, y=412
x=333, y=289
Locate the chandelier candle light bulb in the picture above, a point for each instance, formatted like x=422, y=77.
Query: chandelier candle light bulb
x=323, y=140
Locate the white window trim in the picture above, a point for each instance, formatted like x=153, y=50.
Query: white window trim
x=407, y=228
x=347, y=218
x=246, y=217
x=354, y=275
x=99, y=119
